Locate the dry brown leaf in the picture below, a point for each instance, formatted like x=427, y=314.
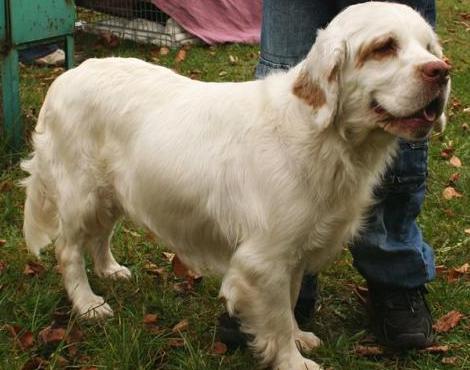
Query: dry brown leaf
x=176, y=342
x=3, y=265
x=33, y=268
x=24, y=338
x=2, y=242
x=179, y=268
x=223, y=73
x=450, y=193
x=35, y=363
x=437, y=348
x=51, y=335
x=465, y=127
x=454, y=178
x=219, y=348
x=368, y=350
x=449, y=212
x=180, y=56
x=464, y=269
x=447, y=322
x=150, y=319
x=181, y=326
x=233, y=59
x=449, y=360
x=168, y=256
x=361, y=293
x=447, y=152
x=153, y=269
x=441, y=269
x=164, y=51
x=455, y=161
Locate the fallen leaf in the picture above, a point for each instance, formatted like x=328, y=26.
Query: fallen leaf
x=465, y=127
x=437, y=348
x=3, y=265
x=150, y=319
x=467, y=231
x=449, y=360
x=168, y=256
x=450, y=193
x=441, y=269
x=153, y=269
x=361, y=293
x=232, y=59
x=464, y=269
x=455, y=161
x=181, y=326
x=447, y=322
x=164, y=51
x=35, y=363
x=452, y=276
x=179, y=268
x=33, y=268
x=24, y=338
x=219, y=348
x=180, y=56
x=51, y=335
x=454, y=178
x=176, y=342
x=368, y=350
x=2, y=242
x=223, y=73
x=449, y=212
x=447, y=152
x=59, y=361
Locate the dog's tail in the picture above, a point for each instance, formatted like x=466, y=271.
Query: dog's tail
x=41, y=223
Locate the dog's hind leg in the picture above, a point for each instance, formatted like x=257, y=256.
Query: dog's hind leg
x=69, y=254
x=79, y=209
x=305, y=340
x=104, y=263
x=256, y=289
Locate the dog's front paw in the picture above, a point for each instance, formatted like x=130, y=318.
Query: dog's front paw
x=94, y=308
x=306, y=341
x=300, y=364
x=115, y=272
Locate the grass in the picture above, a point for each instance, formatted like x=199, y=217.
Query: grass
x=33, y=301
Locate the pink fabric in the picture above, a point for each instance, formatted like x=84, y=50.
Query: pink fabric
x=217, y=21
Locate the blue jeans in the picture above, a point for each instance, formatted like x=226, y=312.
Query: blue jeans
x=391, y=251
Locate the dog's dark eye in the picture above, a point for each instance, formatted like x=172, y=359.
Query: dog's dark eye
x=386, y=47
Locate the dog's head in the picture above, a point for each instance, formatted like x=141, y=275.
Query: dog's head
x=376, y=66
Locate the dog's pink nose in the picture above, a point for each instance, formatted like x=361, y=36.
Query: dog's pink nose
x=437, y=71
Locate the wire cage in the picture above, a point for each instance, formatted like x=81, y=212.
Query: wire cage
x=136, y=20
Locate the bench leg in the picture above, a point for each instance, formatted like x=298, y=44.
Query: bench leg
x=13, y=127
x=69, y=51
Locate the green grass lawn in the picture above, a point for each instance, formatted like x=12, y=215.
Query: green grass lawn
x=32, y=298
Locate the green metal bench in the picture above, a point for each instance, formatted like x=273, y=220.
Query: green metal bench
x=26, y=23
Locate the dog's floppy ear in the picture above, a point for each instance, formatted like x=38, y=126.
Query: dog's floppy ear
x=318, y=80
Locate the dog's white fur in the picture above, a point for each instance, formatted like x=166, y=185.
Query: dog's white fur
x=257, y=181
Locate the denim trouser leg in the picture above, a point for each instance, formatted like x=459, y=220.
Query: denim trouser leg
x=391, y=250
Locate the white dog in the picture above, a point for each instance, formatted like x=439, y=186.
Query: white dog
x=257, y=181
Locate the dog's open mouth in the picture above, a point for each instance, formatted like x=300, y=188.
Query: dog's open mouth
x=415, y=126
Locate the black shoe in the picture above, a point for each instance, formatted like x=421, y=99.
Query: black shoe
x=401, y=318
x=228, y=327
x=305, y=306
x=228, y=332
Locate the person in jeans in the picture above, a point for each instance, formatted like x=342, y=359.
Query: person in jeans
x=390, y=253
